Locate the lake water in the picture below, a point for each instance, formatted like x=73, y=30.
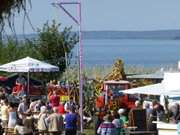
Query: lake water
x=140, y=52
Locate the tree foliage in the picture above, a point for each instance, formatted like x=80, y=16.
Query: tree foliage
x=8, y=8
x=53, y=45
x=50, y=46
x=11, y=50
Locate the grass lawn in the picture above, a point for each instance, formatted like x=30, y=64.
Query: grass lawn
x=89, y=131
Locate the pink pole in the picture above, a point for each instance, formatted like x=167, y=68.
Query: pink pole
x=80, y=67
x=79, y=22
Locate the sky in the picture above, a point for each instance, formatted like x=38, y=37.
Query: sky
x=122, y=15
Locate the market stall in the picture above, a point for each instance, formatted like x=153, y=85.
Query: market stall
x=28, y=65
x=169, y=87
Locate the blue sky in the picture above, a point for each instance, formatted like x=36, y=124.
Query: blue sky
x=108, y=15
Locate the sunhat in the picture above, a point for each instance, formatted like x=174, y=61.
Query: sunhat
x=121, y=111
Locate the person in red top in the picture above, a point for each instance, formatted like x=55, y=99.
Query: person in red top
x=54, y=99
x=20, y=85
x=61, y=109
x=100, y=102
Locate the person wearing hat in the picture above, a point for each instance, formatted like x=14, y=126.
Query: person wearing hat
x=107, y=127
x=122, y=115
x=123, y=120
x=55, y=122
x=42, y=120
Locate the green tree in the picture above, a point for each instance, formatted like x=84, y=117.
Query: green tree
x=12, y=50
x=53, y=45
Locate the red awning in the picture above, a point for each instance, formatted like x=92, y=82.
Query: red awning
x=3, y=78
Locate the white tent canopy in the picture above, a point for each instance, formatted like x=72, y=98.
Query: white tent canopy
x=155, y=89
x=28, y=65
x=169, y=86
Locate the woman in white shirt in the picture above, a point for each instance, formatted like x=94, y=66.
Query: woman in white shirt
x=12, y=116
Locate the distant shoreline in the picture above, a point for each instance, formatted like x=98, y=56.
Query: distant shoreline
x=159, y=34
x=151, y=34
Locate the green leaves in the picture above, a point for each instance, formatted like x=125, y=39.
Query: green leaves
x=53, y=44
x=8, y=8
x=50, y=45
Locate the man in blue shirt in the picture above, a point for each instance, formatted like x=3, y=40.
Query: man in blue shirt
x=71, y=120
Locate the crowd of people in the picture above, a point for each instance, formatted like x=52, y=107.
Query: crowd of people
x=139, y=118
x=53, y=117
x=32, y=117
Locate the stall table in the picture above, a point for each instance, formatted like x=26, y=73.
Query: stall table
x=166, y=128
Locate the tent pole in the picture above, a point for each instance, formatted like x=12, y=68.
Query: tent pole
x=28, y=85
